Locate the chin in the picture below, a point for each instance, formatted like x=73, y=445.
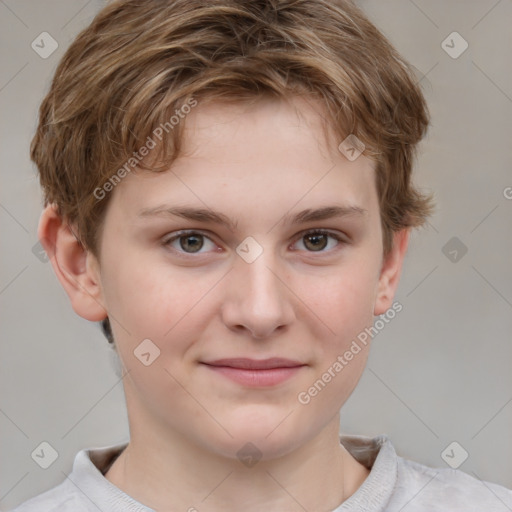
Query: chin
x=261, y=431
x=248, y=445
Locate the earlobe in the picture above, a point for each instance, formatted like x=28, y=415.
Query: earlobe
x=75, y=267
x=390, y=272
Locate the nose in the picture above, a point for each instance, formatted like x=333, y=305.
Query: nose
x=257, y=300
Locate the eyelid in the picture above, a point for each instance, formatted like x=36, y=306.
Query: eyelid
x=322, y=231
x=184, y=232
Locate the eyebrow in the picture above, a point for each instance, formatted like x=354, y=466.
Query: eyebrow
x=208, y=215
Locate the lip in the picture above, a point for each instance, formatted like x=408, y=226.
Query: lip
x=254, y=372
x=245, y=363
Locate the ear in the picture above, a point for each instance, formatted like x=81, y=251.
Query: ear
x=390, y=272
x=76, y=268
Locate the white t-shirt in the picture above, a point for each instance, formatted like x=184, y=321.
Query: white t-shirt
x=394, y=484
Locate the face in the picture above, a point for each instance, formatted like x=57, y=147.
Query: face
x=246, y=317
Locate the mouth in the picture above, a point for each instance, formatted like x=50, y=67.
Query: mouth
x=255, y=373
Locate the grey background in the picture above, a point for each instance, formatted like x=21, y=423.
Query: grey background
x=439, y=372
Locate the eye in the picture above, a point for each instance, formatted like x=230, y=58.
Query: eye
x=189, y=242
x=317, y=240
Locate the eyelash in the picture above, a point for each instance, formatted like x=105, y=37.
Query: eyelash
x=184, y=233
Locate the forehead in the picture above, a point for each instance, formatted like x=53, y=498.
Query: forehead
x=267, y=156
x=269, y=121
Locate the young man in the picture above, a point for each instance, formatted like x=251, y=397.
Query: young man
x=228, y=189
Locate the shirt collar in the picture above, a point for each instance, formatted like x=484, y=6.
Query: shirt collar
x=377, y=454
x=88, y=475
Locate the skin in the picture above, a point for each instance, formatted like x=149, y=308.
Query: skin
x=297, y=300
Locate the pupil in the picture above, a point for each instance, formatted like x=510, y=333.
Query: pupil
x=195, y=246
x=316, y=239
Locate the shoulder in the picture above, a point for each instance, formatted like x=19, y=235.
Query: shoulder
x=398, y=484
x=61, y=498
x=430, y=489
x=85, y=488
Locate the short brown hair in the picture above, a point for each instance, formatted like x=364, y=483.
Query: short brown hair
x=138, y=62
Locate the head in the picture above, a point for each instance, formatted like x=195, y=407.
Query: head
x=237, y=109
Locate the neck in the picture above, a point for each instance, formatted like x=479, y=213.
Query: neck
x=170, y=473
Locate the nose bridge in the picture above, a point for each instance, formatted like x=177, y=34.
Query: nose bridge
x=258, y=299
x=261, y=281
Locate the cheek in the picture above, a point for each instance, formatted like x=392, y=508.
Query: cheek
x=345, y=305
x=156, y=302
x=343, y=302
